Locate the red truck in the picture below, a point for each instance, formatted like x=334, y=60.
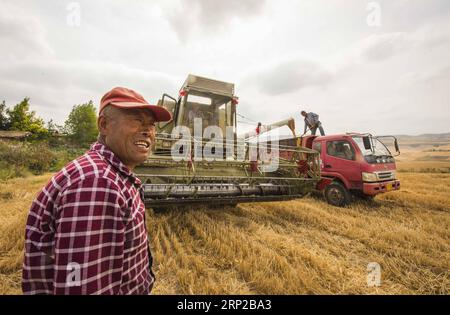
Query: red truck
x=354, y=164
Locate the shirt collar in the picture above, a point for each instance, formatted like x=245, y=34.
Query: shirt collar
x=114, y=160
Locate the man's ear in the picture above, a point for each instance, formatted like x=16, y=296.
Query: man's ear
x=102, y=124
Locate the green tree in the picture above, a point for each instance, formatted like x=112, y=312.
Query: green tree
x=81, y=125
x=21, y=118
x=54, y=128
x=4, y=119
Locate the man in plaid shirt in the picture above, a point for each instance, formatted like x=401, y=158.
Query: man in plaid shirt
x=86, y=232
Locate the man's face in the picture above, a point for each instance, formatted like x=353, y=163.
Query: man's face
x=303, y=114
x=129, y=133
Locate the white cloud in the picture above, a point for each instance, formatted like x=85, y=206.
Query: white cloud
x=378, y=47
x=283, y=56
x=290, y=76
x=22, y=35
x=205, y=16
x=55, y=86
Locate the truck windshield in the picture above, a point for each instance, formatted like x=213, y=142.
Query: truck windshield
x=379, y=149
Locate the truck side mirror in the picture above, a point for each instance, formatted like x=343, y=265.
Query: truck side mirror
x=169, y=105
x=397, y=149
x=367, y=143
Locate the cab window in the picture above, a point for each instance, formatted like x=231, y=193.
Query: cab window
x=317, y=146
x=341, y=149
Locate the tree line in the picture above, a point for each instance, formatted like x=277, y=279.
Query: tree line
x=80, y=127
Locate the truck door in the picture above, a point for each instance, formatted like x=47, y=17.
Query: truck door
x=317, y=145
x=340, y=157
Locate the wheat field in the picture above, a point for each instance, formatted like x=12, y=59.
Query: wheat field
x=303, y=246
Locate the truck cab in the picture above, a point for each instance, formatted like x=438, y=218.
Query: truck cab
x=354, y=164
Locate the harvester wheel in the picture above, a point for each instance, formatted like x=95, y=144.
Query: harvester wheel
x=221, y=206
x=159, y=209
x=337, y=195
x=232, y=205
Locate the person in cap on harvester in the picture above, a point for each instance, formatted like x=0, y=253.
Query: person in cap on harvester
x=312, y=122
x=195, y=112
x=85, y=232
x=258, y=129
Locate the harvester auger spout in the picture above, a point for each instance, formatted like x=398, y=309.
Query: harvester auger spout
x=198, y=158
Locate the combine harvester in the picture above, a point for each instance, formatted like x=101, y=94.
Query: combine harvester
x=191, y=164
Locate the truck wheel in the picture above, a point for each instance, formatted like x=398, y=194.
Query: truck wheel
x=367, y=197
x=359, y=194
x=337, y=195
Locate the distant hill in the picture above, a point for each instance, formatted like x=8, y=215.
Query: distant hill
x=425, y=142
x=428, y=137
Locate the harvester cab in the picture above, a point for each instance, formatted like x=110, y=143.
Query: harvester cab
x=212, y=102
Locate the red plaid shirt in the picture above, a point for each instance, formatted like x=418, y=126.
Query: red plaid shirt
x=86, y=233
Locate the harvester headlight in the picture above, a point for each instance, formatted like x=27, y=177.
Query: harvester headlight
x=369, y=177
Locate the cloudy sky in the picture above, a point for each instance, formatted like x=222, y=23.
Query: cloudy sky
x=372, y=66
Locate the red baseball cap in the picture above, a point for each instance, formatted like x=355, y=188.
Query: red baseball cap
x=127, y=98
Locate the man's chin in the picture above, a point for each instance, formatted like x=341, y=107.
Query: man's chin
x=142, y=157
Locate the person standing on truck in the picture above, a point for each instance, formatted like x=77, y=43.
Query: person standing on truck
x=195, y=113
x=86, y=232
x=312, y=122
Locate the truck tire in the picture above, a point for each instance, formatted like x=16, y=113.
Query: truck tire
x=337, y=195
x=359, y=194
